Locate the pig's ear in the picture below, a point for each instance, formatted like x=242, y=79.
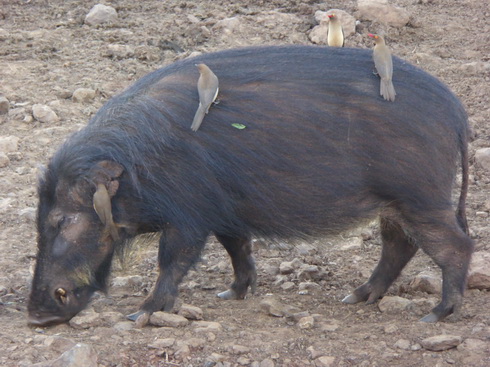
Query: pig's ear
x=108, y=173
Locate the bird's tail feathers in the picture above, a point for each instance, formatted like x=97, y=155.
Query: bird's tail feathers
x=198, y=117
x=387, y=90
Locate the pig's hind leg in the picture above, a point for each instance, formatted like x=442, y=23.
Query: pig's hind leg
x=240, y=251
x=397, y=250
x=444, y=240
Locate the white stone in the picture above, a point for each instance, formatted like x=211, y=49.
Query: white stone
x=427, y=282
x=4, y=160
x=351, y=243
x=83, y=95
x=240, y=349
x=273, y=307
x=191, y=312
x=473, y=345
x=482, y=158
x=402, y=344
x=441, y=342
x=162, y=343
x=28, y=213
x=307, y=272
x=228, y=25
x=382, y=12
x=124, y=326
x=9, y=144
x=475, y=68
x=183, y=352
x=4, y=105
x=206, y=326
x=329, y=326
x=315, y=353
x=101, y=14
x=81, y=355
x=127, y=282
x=479, y=274
x=307, y=322
x=267, y=363
x=393, y=304
x=44, y=113
x=287, y=267
x=167, y=319
x=58, y=344
x=85, y=320
x=119, y=52
x=308, y=286
x=325, y=361
x=319, y=34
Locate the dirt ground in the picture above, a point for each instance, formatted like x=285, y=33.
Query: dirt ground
x=46, y=52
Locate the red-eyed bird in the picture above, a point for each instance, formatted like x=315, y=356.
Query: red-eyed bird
x=335, y=32
x=384, y=67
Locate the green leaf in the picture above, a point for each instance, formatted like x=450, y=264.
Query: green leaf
x=238, y=126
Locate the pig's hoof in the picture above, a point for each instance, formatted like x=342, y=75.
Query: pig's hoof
x=351, y=299
x=432, y=317
x=134, y=316
x=229, y=294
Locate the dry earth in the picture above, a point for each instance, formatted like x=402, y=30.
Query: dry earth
x=46, y=52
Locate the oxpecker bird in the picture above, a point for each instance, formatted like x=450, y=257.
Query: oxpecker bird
x=335, y=32
x=102, y=206
x=384, y=67
x=207, y=87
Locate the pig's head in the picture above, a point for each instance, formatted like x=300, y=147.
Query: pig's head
x=76, y=240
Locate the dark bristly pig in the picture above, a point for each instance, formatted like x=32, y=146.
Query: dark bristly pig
x=319, y=152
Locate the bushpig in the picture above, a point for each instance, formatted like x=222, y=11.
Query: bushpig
x=317, y=152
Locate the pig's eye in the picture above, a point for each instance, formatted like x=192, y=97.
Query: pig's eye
x=60, y=294
x=61, y=222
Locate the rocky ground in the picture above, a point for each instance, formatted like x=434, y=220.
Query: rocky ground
x=57, y=70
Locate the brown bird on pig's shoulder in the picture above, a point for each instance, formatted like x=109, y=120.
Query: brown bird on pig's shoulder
x=207, y=87
x=384, y=67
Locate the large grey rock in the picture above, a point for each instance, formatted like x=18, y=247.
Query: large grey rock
x=4, y=105
x=479, y=275
x=167, y=319
x=206, y=326
x=482, y=158
x=427, y=282
x=307, y=322
x=85, y=320
x=83, y=95
x=162, y=343
x=9, y=144
x=325, y=361
x=4, y=160
x=128, y=283
x=402, y=344
x=43, y=113
x=273, y=307
x=191, y=312
x=441, y=342
x=81, y=355
x=101, y=14
x=393, y=304
x=119, y=52
x=382, y=12
x=287, y=267
x=58, y=344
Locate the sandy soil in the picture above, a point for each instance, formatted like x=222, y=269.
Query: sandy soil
x=46, y=52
